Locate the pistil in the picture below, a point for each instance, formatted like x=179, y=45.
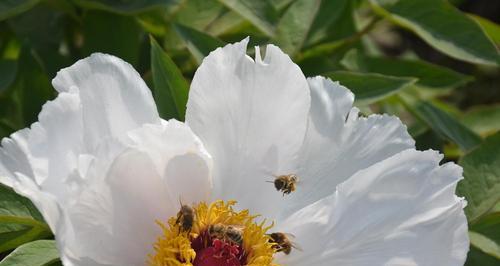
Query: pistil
x=218, y=236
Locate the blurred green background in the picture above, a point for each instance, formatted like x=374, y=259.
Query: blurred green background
x=434, y=63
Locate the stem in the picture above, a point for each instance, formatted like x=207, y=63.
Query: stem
x=38, y=230
x=24, y=221
x=321, y=49
x=357, y=36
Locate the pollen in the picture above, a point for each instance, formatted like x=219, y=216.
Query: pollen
x=219, y=235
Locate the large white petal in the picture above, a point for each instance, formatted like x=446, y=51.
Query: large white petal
x=112, y=222
x=37, y=161
x=112, y=218
x=187, y=162
x=251, y=116
x=338, y=143
x=114, y=97
x=49, y=148
x=100, y=98
x=401, y=211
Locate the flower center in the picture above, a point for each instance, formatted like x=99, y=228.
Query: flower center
x=213, y=235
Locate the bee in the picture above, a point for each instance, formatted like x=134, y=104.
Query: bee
x=229, y=233
x=185, y=218
x=282, y=242
x=235, y=235
x=285, y=183
x=217, y=231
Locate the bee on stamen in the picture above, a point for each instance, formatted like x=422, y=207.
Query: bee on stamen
x=185, y=218
x=285, y=183
x=282, y=242
x=228, y=233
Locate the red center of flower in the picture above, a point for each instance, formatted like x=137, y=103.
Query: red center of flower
x=218, y=236
x=216, y=252
x=219, y=254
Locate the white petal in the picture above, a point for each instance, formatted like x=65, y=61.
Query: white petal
x=112, y=220
x=13, y=158
x=180, y=156
x=45, y=202
x=114, y=97
x=49, y=147
x=37, y=161
x=101, y=98
x=251, y=117
x=401, y=211
x=338, y=143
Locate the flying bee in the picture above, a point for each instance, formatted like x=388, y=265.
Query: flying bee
x=282, y=242
x=229, y=233
x=285, y=183
x=185, y=218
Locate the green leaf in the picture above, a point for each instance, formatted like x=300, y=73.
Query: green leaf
x=14, y=205
x=335, y=40
x=14, y=7
x=280, y=4
x=113, y=34
x=295, y=25
x=332, y=22
x=262, y=13
x=11, y=117
x=8, y=71
x=443, y=27
x=484, y=119
x=370, y=87
x=496, y=208
x=225, y=23
x=36, y=29
x=488, y=225
x=154, y=21
x=484, y=244
x=198, y=43
x=243, y=30
x=476, y=257
x=36, y=253
x=31, y=93
x=199, y=14
x=20, y=222
x=125, y=7
x=64, y=6
x=446, y=125
x=170, y=87
x=481, y=186
x=429, y=140
x=429, y=75
x=491, y=28
x=5, y=129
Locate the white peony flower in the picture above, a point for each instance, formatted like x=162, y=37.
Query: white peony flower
x=107, y=173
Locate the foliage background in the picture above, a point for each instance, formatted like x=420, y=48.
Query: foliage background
x=433, y=63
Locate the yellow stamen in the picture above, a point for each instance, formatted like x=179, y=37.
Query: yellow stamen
x=174, y=246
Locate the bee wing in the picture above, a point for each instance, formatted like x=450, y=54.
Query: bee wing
x=236, y=226
x=297, y=179
x=274, y=178
x=180, y=200
x=296, y=246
